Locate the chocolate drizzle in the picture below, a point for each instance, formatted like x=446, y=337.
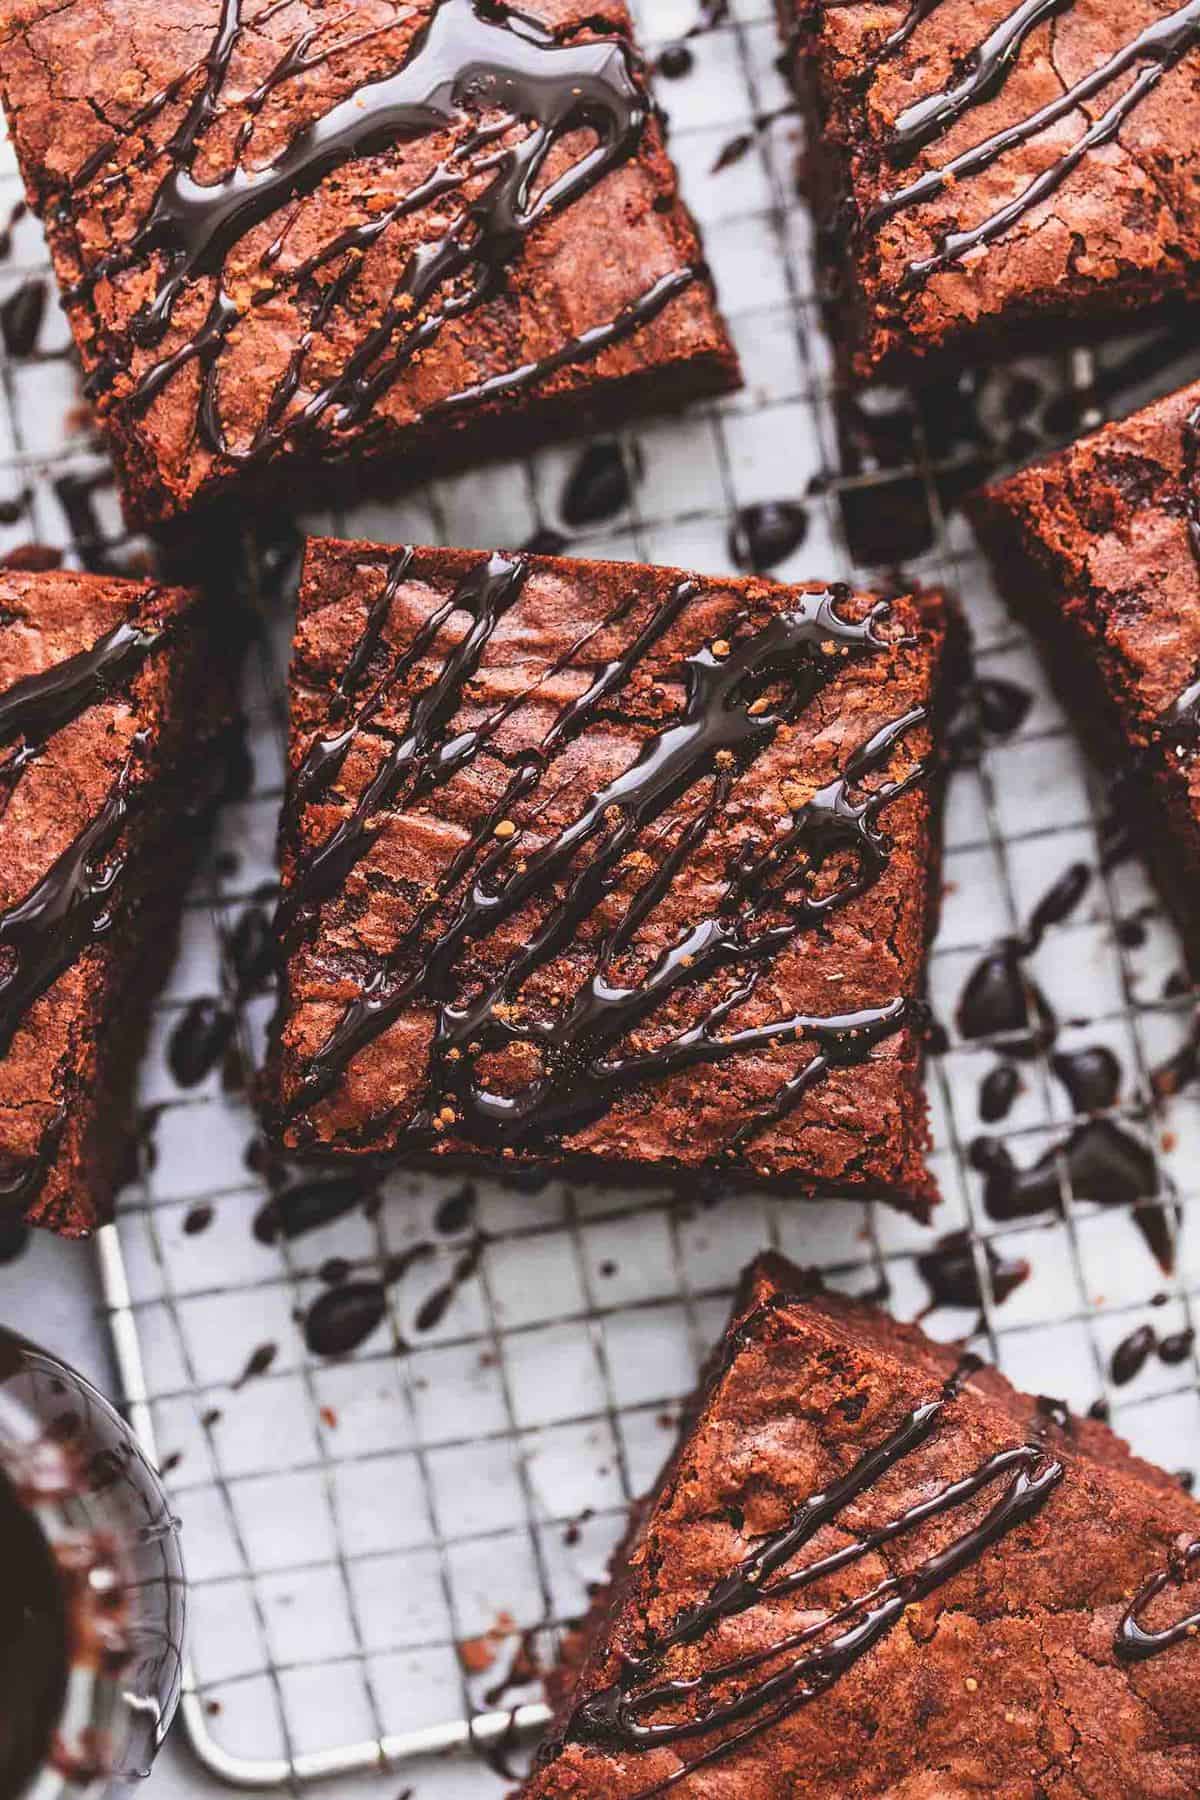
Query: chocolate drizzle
x=41, y=704
x=738, y=695
x=1134, y=1642
x=626, y=1717
x=473, y=57
x=1147, y=57
x=69, y=908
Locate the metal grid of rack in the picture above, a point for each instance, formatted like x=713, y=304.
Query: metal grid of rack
x=363, y=1536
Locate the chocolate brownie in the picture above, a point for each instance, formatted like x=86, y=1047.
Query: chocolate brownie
x=111, y=693
x=873, y=1568
x=292, y=235
x=606, y=866
x=994, y=172
x=1098, y=549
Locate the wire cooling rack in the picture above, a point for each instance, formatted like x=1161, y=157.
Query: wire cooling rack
x=382, y=1548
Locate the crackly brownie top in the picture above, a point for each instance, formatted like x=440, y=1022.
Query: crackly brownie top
x=279, y=222
x=1115, y=521
x=83, y=686
x=874, y=1568
x=606, y=861
x=1012, y=156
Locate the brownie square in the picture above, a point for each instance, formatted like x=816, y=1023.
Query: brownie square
x=873, y=1568
x=991, y=174
x=111, y=699
x=608, y=868
x=1098, y=549
x=297, y=235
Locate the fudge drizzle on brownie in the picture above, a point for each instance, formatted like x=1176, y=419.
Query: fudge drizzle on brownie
x=42, y=934
x=1156, y=50
x=614, y=1716
x=1134, y=1641
x=737, y=697
x=468, y=53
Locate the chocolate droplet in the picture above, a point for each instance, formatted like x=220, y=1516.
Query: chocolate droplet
x=344, y=1318
x=1131, y=1354
x=765, y=535
x=599, y=486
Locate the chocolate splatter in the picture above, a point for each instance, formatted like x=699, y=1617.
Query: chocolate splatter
x=1103, y=1163
x=951, y=1274
x=259, y=1362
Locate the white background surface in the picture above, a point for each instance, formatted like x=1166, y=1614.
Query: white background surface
x=593, y=1312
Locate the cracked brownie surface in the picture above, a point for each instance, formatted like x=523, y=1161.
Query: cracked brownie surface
x=609, y=866
x=872, y=1568
x=1098, y=549
x=991, y=171
x=293, y=234
x=111, y=699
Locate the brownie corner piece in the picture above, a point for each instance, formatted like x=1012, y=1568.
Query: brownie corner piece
x=993, y=176
x=1097, y=549
x=302, y=239
x=608, y=868
x=872, y=1567
x=112, y=708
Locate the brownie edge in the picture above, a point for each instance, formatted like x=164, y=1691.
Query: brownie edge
x=1097, y=550
x=869, y=1559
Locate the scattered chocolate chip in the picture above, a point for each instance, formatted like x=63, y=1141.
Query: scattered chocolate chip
x=21, y=315
x=343, y=1318
x=676, y=61
x=1176, y=1348
x=1131, y=1354
x=765, y=535
x=456, y=1211
x=997, y=1091
x=1092, y=1077
x=308, y=1205
x=250, y=948
x=198, y=1040
x=599, y=486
